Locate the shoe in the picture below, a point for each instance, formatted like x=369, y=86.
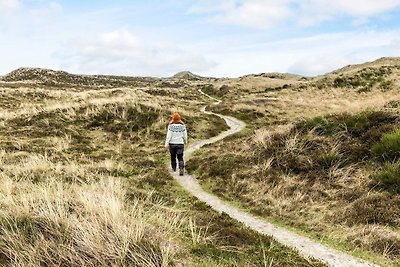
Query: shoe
x=174, y=170
x=181, y=172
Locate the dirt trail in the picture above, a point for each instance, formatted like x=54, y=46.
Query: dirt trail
x=304, y=245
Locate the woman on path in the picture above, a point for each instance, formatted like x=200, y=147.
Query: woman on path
x=176, y=139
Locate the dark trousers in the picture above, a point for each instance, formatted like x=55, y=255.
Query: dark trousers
x=176, y=151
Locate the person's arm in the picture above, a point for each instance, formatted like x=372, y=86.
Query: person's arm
x=185, y=136
x=168, y=137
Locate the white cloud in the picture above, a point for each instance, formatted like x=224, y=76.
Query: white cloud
x=122, y=52
x=395, y=45
x=211, y=6
x=9, y=5
x=361, y=8
x=328, y=53
x=39, y=33
x=255, y=13
x=263, y=14
x=320, y=64
x=41, y=13
x=7, y=10
x=306, y=56
x=18, y=13
x=315, y=11
x=249, y=13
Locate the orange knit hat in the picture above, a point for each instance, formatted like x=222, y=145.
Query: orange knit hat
x=176, y=117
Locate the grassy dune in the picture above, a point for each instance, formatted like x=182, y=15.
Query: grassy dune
x=83, y=182
x=320, y=155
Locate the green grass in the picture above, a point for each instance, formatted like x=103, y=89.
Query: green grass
x=376, y=208
x=388, y=147
x=124, y=118
x=232, y=244
x=248, y=115
x=208, y=89
x=212, y=91
x=329, y=159
x=356, y=125
x=315, y=161
x=365, y=80
x=389, y=177
x=303, y=231
x=63, y=160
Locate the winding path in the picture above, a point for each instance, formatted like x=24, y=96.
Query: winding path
x=304, y=245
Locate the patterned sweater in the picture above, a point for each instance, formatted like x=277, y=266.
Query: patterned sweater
x=176, y=134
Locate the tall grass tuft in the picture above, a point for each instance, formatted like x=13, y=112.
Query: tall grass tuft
x=82, y=225
x=388, y=148
x=389, y=176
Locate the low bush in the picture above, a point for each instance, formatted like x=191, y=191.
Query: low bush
x=393, y=104
x=366, y=79
x=389, y=177
x=85, y=225
x=115, y=118
x=208, y=89
x=376, y=238
x=378, y=208
x=329, y=159
x=356, y=125
x=388, y=148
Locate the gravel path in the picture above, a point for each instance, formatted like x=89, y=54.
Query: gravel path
x=304, y=245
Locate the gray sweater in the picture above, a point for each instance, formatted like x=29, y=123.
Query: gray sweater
x=176, y=134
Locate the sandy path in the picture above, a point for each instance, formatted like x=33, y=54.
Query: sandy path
x=304, y=245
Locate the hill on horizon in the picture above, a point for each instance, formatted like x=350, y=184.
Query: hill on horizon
x=59, y=76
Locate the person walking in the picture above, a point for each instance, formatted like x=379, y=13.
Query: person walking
x=176, y=140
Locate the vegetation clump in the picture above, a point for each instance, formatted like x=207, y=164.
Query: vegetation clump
x=127, y=119
x=357, y=125
x=315, y=175
x=388, y=148
x=366, y=79
x=213, y=91
x=82, y=225
x=389, y=177
x=84, y=179
x=84, y=183
x=208, y=89
x=376, y=208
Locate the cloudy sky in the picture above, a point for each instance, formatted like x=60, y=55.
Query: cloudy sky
x=209, y=37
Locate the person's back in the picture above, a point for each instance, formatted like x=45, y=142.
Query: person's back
x=175, y=140
x=178, y=133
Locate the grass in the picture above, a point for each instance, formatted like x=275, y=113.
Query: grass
x=83, y=225
x=366, y=79
x=389, y=177
x=388, y=147
x=374, y=209
x=315, y=176
x=227, y=242
x=84, y=179
x=85, y=184
x=380, y=235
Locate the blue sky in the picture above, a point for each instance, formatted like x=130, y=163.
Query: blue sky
x=215, y=38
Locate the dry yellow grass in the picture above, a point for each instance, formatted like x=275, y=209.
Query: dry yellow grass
x=74, y=211
x=82, y=183
x=304, y=178
x=78, y=165
x=88, y=225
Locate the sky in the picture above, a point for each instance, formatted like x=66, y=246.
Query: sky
x=219, y=38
